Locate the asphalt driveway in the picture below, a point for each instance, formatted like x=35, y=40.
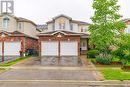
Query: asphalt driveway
x=32, y=69
x=53, y=61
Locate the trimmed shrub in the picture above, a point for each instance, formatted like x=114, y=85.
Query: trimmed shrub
x=92, y=53
x=104, y=59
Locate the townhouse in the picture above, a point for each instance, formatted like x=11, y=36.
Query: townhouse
x=16, y=35
x=63, y=36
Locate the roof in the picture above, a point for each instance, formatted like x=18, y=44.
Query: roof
x=44, y=26
x=61, y=31
x=62, y=15
x=73, y=21
x=16, y=33
x=19, y=19
x=125, y=20
x=80, y=22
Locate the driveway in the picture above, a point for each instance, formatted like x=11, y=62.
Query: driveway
x=41, y=69
x=53, y=61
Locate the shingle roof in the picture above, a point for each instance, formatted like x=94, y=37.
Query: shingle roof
x=42, y=26
x=20, y=19
x=73, y=21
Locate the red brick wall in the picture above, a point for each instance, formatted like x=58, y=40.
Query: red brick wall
x=55, y=38
x=26, y=42
x=31, y=43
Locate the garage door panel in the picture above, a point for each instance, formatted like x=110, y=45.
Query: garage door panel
x=12, y=48
x=49, y=48
x=69, y=48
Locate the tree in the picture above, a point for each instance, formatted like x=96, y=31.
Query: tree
x=123, y=48
x=106, y=24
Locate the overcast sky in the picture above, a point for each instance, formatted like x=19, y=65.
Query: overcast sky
x=41, y=11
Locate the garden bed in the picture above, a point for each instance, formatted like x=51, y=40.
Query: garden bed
x=113, y=63
x=126, y=68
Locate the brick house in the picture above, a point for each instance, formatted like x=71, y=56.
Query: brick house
x=63, y=36
x=16, y=35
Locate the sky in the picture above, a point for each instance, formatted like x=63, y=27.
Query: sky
x=41, y=11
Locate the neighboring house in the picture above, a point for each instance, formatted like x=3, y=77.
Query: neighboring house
x=127, y=21
x=42, y=28
x=64, y=36
x=16, y=35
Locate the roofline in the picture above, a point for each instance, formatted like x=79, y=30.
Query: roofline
x=17, y=18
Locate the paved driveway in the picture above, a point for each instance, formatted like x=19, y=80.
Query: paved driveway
x=32, y=69
x=53, y=61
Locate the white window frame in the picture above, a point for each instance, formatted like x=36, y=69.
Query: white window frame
x=5, y=22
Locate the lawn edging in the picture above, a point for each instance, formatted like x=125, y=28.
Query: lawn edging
x=13, y=62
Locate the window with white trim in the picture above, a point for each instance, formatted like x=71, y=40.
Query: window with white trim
x=5, y=22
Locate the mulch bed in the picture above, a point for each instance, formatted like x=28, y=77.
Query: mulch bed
x=126, y=68
x=113, y=63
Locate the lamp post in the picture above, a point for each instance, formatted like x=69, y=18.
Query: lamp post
x=2, y=37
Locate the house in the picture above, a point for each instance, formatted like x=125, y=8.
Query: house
x=127, y=21
x=63, y=36
x=16, y=35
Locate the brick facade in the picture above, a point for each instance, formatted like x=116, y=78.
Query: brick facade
x=63, y=38
x=26, y=42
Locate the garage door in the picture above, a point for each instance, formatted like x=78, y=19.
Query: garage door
x=12, y=48
x=0, y=49
x=49, y=48
x=69, y=48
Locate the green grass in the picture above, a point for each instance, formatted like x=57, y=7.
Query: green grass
x=10, y=63
x=115, y=74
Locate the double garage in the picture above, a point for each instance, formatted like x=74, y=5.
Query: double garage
x=62, y=48
x=10, y=48
x=59, y=43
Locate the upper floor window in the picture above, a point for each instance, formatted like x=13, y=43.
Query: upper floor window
x=20, y=25
x=83, y=29
x=127, y=30
x=71, y=26
x=62, y=25
x=5, y=22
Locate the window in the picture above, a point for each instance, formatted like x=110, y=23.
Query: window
x=5, y=22
x=127, y=30
x=71, y=26
x=82, y=29
x=62, y=25
x=20, y=25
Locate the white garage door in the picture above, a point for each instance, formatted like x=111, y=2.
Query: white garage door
x=0, y=49
x=49, y=48
x=69, y=48
x=12, y=48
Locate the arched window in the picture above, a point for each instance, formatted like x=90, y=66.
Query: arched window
x=5, y=22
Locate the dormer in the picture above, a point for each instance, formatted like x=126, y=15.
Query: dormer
x=62, y=22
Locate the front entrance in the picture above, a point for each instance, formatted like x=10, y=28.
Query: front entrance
x=62, y=48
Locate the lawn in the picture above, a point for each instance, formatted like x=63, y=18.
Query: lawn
x=10, y=63
x=115, y=74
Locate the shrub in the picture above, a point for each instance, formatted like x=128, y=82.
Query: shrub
x=92, y=53
x=104, y=59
